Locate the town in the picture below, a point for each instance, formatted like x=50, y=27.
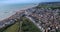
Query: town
x=46, y=19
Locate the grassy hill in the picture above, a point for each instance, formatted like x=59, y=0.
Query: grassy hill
x=52, y=5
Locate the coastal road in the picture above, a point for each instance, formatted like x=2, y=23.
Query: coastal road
x=32, y=20
x=37, y=24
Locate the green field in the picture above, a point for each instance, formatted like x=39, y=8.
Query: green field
x=13, y=28
x=48, y=6
x=28, y=26
x=25, y=26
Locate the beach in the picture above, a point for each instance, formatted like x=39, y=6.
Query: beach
x=13, y=16
x=8, y=14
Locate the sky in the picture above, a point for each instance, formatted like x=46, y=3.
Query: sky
x=25, y=1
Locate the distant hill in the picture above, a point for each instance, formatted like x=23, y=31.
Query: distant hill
x=49, y=5
x=52, y=3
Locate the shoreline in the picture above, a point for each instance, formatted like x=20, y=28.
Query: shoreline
x=13, y=18
x=20, y=10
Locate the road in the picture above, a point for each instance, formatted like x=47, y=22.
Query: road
x=37, y=24
x=32, y=20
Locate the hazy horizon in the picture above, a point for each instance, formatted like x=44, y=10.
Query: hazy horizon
x=25, y=1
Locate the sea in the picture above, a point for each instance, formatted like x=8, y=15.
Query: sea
x=8, y=10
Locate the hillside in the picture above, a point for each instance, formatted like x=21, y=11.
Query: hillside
x=52, y=5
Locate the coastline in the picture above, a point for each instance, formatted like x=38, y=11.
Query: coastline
x=13, y=18
x=20, y=10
